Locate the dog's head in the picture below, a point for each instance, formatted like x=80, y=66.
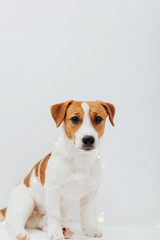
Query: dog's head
x=84, y=122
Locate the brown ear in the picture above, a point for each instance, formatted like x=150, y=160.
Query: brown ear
x=110, y=109
x=58, y=111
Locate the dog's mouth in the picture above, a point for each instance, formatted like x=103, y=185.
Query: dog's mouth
x=87, y=149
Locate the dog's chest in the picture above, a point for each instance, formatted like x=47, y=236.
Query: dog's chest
x=78, y=184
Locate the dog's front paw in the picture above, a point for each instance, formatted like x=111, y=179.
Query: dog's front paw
x=23, y=236
x=93, y=232
x=56, y=236
x=67, y=233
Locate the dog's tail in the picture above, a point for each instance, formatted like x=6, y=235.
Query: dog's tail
x=3, y=214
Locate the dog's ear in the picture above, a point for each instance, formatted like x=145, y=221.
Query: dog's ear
x=110, y=109
x=58, y=111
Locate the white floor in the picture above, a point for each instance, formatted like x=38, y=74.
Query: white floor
x=109, y=233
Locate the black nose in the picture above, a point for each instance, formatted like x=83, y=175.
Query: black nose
x=88, y=141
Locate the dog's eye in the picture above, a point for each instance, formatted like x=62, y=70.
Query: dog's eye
x=98, y=120
x=75, y=120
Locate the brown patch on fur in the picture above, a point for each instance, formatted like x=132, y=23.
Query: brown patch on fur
x=3, y=213
x=64, y=112
x=27, y=178
x=74, y=109
x=102, y=109
x=58, y=111
x=110, y=109
x=43, y=165
x=43, y=168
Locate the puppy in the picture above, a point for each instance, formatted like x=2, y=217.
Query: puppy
x=71, y=173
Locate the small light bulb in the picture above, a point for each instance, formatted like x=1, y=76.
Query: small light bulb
x=56, y=143
x=103, y=165
x=69, y=217
x=98, y=157
x=100, y=218
x=59, y=138
x=34, y=180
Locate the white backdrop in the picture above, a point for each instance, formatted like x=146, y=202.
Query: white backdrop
x=51, y=51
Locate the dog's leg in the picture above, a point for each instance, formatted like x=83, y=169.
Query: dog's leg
x=88, y=218
x=64, y=220
x=64, y=215
x=20, y=207
x=53, y=212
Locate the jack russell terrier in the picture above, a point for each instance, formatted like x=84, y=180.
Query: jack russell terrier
x=71, y=173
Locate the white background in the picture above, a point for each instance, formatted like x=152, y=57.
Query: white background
x=51, y=51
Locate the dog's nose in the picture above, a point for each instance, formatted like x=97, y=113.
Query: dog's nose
x=88, y=141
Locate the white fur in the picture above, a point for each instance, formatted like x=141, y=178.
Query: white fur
x=86, y=128
x=72, y=175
